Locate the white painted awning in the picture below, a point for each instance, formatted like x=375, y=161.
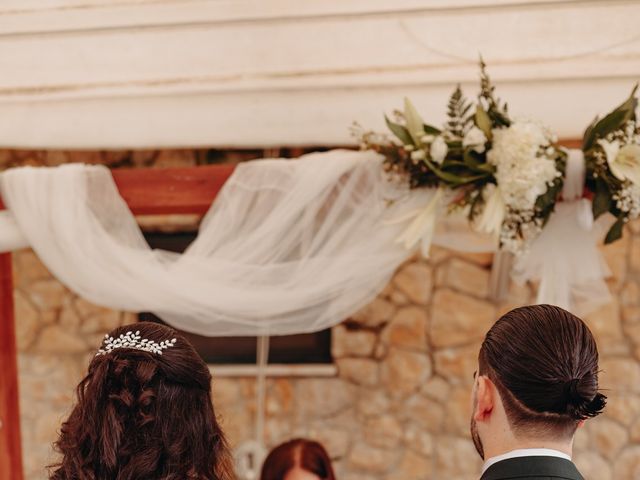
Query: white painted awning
x=163, y=73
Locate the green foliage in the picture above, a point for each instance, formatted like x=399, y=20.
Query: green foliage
x=431, y=130
x=602, y=201
x=399, y=131
x=546, y=203
x=458, y=113
x=483, y=121
x=476, y=162
x=455, y=179
x=615, y=232
x=497, y=112
x=615, y=120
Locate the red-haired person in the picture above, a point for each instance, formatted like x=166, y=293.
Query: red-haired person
x=144, y=411
x=298, y=459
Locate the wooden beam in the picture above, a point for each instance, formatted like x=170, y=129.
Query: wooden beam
x=571, y=143
x=150, y=191
x=10, y=444
x=171, y=190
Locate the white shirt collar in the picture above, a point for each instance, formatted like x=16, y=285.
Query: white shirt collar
x=525, y=452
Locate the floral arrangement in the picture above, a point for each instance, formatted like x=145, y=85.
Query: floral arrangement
x=508, y=174
x=611, y=148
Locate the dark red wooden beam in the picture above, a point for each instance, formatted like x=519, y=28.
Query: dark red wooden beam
x=10, y=445
x=171, y=190
x=161, y=191
x=571, y=143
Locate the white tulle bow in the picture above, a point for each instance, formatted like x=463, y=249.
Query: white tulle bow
x=565, y=258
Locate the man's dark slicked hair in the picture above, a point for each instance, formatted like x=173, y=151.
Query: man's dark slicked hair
x=544, y=363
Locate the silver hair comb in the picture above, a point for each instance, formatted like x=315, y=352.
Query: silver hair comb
x=135, y=341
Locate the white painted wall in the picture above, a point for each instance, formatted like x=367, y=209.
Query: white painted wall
x=126, y=73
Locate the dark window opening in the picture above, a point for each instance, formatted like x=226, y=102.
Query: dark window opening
x=308, y=348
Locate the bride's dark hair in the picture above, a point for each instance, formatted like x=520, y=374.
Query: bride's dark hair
x=143, y=415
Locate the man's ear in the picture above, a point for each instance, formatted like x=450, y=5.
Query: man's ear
x=581, y=423
x=485, y=399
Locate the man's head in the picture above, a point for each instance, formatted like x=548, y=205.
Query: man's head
x=537, y=379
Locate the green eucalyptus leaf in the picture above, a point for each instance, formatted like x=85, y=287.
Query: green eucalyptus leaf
x=415, y=124
x=613, y=121
x=601, y=199
x=615, y=232
x=547, y=200
x=451, y=178
x=483, y=121
x=474, y=163
x=399, y=131
x=587, y=140
x=474, y=206
x=431, y=130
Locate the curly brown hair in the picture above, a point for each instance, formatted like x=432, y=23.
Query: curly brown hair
x=142, y=415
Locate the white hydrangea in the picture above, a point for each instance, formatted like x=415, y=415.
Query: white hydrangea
x=523, y=169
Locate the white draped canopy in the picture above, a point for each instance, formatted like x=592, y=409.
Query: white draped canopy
x=289, y=246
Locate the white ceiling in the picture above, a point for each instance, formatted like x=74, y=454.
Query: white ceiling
x=151, y=73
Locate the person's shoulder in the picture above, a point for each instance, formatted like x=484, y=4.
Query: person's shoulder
x=533, y=468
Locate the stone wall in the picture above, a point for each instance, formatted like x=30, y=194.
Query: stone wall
x=399, y=407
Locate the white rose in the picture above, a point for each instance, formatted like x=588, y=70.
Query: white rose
x=438, y=150
x=475, y=138
x=624, y=162
x=418, y=155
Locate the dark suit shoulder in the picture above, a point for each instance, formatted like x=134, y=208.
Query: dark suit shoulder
x=533, y=468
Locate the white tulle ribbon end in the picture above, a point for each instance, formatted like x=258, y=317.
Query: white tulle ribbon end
x=422, y=228
x=492, y=216
x=11, y=237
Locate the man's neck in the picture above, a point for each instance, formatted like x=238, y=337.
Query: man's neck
x=493, y=450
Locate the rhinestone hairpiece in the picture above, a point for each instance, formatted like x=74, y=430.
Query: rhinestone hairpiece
x=134, y=340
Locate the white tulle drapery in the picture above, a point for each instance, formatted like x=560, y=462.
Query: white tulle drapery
x=289, y=246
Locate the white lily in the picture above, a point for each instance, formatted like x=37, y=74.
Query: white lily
x=438, y=150
x=422, y=227
x=415, y=124
x=624, y=161
x=492, y=216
